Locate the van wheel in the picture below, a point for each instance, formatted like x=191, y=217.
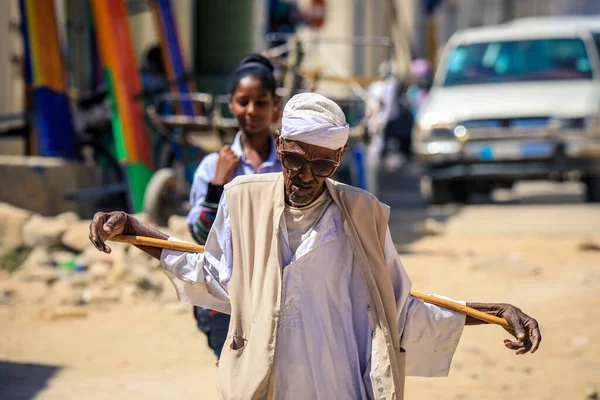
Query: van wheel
x=460, y=191
x=592, y=192
x=439, y=192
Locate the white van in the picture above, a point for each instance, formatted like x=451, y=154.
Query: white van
x=513, y=102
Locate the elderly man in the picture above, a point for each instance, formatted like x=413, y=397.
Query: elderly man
x=319, y=301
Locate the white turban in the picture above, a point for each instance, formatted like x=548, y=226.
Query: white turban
x=314, y=119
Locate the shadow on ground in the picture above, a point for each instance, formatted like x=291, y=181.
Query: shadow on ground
x=23, y=381
x=534, y=193
x=400, y=190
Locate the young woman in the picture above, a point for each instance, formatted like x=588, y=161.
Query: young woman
x=253, y=102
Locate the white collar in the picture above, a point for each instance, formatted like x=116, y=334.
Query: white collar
x=237, y=148
x=324, y=232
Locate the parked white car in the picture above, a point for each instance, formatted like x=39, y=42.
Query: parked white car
x=513, y=102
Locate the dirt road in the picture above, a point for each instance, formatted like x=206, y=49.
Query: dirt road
x=526, y=251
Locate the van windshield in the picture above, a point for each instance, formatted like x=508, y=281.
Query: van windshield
x=518, y=61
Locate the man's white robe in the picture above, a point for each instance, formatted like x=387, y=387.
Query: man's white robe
x=323, y=337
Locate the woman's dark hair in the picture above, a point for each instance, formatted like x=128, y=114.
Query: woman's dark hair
x=258, y=67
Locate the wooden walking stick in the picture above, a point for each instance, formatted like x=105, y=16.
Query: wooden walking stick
x=197, y=248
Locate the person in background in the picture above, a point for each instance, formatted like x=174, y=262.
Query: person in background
x=375, y=105
x=374, y=124
x=420, y=81
x=403, y=124
x=253, y=102
x=398, y=117
x=284, y=17
x=154, y=77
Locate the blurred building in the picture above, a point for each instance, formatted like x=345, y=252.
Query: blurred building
x=215, y=34
x=10, y=59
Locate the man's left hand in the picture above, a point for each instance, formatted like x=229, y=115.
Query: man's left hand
x=526, y=329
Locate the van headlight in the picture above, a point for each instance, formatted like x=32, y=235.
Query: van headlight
x=578, y=123
x=435, y=132
x=435, y=126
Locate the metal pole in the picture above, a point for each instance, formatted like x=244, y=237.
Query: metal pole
x=509, y=11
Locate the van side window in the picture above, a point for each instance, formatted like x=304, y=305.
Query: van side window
x=597, y=41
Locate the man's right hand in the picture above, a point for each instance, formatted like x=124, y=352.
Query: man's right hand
x=106, y=225
x=226, y=165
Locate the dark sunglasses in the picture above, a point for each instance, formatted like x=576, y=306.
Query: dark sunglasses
x=295, y=162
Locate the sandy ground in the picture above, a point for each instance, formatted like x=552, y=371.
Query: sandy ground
x=528, y=255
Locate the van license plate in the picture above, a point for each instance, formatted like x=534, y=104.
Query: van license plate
x=500, y=151
x=537, y=149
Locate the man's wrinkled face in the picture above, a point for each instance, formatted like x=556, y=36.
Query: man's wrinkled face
x=302, y=187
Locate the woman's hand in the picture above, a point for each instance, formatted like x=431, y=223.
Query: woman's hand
x=226, y=166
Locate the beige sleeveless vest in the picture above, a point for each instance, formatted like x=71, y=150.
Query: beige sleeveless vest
x=256, y=204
